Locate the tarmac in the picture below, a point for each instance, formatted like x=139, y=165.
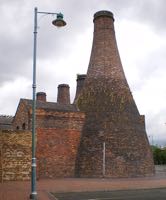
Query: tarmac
x=141, y=194
x=20, y=190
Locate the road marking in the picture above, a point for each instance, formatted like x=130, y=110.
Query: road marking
x=114, y=198
x=52, y=196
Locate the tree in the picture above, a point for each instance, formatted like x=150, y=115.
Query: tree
x=159, y=155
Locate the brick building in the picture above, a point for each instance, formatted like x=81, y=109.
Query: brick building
x=102, y=132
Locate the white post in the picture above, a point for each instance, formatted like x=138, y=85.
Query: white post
x=103, y=159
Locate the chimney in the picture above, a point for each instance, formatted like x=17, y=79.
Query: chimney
x=113, y=137
x=80, y=83
x=41, y=96
x=105, y=79
x=63, y=94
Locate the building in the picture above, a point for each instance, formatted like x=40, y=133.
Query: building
x=102, y=133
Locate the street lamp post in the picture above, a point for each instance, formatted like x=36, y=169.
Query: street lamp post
x=59, y=22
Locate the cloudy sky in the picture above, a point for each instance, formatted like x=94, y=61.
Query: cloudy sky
x=64, y=52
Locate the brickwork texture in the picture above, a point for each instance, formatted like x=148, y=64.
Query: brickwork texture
x=15, y=155
x=56, y=152
x=112, y=116
x=101, y=135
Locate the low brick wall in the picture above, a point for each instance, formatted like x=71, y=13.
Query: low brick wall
x=56, y=152
x=15, y=155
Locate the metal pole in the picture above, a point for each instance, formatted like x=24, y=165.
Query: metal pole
x=33, y=194
x=57, y=23
x=103, y=159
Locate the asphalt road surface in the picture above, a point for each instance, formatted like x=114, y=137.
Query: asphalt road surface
x=147, y=194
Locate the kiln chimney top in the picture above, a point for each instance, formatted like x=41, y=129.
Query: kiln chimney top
x=103, y=13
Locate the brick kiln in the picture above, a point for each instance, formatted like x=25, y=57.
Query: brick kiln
x=100, y=134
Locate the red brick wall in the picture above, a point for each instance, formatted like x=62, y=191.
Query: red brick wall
x=56, y=152
x=46, y=118
x=59, y=119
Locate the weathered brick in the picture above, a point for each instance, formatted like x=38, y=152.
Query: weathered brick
x=70, y=137
x=56, y=152
x=15, y=155
x=111, y=113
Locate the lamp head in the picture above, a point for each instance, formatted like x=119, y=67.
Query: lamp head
x=59, y=22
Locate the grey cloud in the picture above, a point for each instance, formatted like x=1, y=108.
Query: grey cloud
x=153, y=63
x=17, y=44
x=13, y=57
x=156, y=127
x=151, y=12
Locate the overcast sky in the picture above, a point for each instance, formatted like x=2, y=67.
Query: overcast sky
x=64, y=52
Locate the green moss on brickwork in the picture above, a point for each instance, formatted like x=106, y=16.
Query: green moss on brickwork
x=98, y=96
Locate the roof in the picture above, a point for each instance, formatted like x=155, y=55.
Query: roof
x=6, y=122
x=51, y=106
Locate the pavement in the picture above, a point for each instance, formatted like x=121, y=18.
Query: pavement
x=20, y=190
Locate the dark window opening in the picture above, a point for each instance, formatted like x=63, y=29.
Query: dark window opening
x=23, y=126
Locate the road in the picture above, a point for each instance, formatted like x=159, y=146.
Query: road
x=147, y=194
